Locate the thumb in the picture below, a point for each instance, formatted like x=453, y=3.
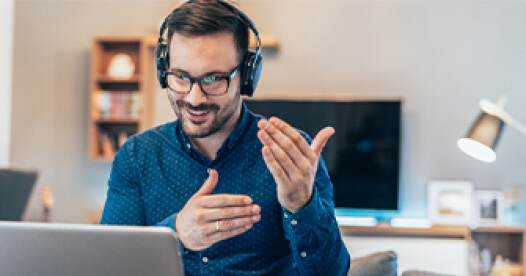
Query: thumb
x=321, y=139
x=209, y=184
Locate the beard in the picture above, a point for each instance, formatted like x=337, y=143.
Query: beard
x=202, y=129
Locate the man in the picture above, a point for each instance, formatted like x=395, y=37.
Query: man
x=245, y=195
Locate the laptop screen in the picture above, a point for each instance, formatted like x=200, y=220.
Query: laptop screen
x=76, y=249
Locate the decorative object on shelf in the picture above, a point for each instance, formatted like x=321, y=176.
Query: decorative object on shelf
x=488, y=208
x=485, y=261
x=504, y=267
x=482, y=138
x=474, y=260
x=47, y=201
x=449, y=201
x=118, y=104
x=513, y=195
x=121, y=66
x=411, y=222
x=107, y=145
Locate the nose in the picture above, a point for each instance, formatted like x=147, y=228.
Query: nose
x=196, y=96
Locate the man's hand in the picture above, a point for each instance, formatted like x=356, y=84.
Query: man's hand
x=207, y=219
x=291, y=160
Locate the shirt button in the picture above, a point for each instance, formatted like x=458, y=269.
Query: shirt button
x=208, y=170
x=188, y=145
x=293, y=222
x=285, y=214
x=304, y=254
x=186, y=252
x=205, y=260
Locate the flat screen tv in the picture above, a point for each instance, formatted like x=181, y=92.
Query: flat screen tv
x=362, y=157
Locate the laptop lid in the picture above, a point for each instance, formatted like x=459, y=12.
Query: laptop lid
x=82, y=250
x=15, y=189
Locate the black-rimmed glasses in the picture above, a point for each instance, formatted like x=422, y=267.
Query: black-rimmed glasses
x=212, y=85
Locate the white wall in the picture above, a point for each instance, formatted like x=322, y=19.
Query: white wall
x=440, y=56
x=6, y=35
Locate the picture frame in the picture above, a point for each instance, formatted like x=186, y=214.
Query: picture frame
x=488, y=207
x=450, y=201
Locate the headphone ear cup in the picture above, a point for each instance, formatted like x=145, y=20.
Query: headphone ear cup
x=250, y=73
x=161, y=59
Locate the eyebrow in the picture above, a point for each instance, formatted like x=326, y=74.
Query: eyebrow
x=200, y=76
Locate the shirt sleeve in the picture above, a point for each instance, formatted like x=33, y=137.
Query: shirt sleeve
x=124, y=202
x=313, y=232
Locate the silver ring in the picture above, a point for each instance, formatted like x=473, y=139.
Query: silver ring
x=217, y=225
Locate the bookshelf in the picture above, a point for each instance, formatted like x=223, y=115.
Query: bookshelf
x=120, y=92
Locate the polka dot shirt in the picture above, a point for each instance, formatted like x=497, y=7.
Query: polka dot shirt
x=157, y=171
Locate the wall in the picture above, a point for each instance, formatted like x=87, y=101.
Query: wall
x=50, y=98
x=440, y=56
x=7, y=9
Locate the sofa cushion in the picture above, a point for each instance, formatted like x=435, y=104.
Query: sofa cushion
x=377, y=264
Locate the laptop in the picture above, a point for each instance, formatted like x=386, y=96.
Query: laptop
x=88, y=250
x=15, y=189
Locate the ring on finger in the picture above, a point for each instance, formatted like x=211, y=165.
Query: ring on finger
x=217, y=225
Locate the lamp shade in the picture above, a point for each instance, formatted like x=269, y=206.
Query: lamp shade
x=482, y=138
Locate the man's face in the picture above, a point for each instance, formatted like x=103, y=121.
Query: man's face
x=202, y=115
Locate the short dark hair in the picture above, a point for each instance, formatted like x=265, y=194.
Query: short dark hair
x=206, y=17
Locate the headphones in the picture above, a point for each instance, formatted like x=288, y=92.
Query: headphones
x=250, y=68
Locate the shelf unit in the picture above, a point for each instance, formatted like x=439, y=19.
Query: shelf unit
x=506, y=241
x=120, y=107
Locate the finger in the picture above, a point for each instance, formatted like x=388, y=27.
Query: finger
x=225, y=200
x=209, y=184
x=223, y=235
x=280, y=144
x=231, y=212
x=274, y=166
x=294, y=136
x=321, y=139
x=230, y=224
x=285, y=161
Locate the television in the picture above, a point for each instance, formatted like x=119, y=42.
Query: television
x=363, y=155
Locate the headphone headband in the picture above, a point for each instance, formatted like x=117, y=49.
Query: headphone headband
x=252, y=62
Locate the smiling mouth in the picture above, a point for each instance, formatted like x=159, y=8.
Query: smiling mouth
x=197, y=116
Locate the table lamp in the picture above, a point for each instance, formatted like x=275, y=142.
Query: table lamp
x=482, y=138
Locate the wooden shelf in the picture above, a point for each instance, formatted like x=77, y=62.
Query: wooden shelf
x=116, y=121
x=104, y=78
x=113, y=100
x=268, y=41
x=437, y=231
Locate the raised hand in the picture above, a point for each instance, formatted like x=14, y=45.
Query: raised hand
x=291, y=161
x=207, y=219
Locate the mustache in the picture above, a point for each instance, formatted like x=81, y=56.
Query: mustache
x=202, y=107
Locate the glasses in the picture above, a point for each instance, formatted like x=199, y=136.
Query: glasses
x=212, y=85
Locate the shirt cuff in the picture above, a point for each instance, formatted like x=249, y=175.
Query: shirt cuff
x=168, y=222
x=303, y=220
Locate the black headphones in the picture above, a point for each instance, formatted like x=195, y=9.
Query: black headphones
x=250, y=69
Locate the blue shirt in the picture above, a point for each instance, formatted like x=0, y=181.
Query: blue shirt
x=157, y=171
